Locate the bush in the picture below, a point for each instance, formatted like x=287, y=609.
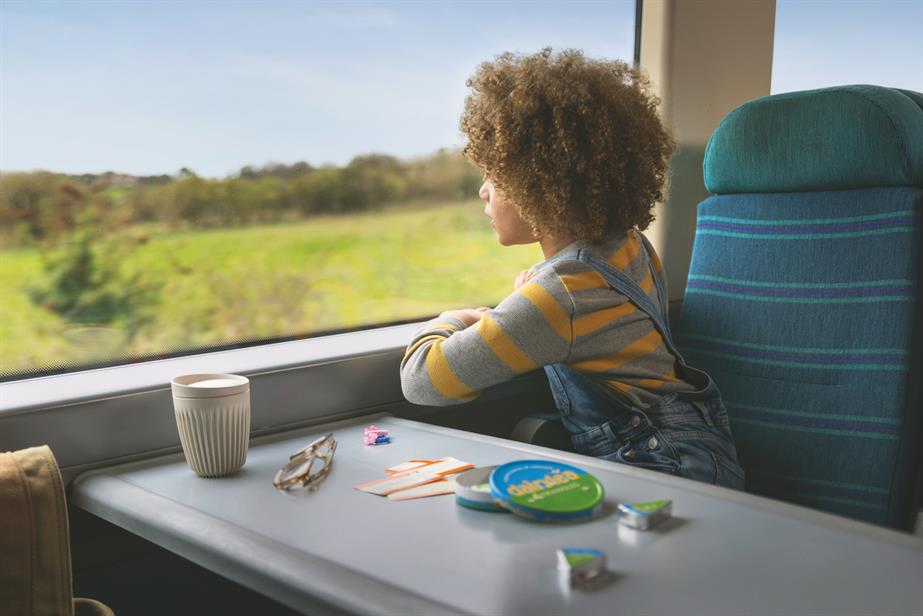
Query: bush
x=41, y=206
x=84, y=283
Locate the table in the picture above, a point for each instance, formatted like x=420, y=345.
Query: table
x=345, y=551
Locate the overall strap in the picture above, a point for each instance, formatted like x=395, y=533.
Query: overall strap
x=625, y=285
x=659, y=280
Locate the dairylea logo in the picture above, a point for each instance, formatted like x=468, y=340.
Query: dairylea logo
x=551, y=480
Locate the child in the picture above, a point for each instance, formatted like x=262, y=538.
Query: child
x=575, y=157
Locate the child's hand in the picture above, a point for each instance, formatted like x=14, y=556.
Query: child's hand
x=468, y=316
x=523, y=278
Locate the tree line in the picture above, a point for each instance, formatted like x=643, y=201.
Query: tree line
x=42, y=207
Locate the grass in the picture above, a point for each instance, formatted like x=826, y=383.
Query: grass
x=226, y=285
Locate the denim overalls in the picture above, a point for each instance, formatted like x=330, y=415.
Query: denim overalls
x=684, y=433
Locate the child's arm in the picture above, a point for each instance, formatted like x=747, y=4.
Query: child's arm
x=449, y=363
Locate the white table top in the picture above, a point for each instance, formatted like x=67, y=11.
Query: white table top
x=345, y=550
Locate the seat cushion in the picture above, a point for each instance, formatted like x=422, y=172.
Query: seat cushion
x=802, y=307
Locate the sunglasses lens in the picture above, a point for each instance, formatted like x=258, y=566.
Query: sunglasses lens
x=301, y=469
x=326, y=450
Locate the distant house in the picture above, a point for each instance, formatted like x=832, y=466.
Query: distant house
x=111, y=179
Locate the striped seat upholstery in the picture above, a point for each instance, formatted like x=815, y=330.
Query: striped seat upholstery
x=803, y=299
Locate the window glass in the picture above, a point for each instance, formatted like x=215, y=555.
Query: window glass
x=182, y=176
x=822, y=43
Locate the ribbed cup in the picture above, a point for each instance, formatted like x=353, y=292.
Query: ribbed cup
x=213, y=421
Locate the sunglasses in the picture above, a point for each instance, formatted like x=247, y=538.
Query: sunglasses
x=299, y=471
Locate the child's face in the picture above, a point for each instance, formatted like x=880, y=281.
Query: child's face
x=511, y=229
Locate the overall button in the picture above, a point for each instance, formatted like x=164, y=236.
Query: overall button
x=652, y=444
x=635, y=421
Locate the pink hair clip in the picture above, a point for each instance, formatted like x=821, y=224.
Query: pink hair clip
x=373, y=435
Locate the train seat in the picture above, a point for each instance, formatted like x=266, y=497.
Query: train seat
x=803, y=297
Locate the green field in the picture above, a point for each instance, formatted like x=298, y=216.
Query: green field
x=267, y=281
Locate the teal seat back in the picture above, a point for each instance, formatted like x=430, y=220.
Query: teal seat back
x=803, y=298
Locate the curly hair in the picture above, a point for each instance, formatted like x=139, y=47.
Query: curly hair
x=575, y=144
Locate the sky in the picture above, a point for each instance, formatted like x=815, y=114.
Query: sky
x=149, y=87
x=835, y=42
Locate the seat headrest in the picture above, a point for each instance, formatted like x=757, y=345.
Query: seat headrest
x=857, y=136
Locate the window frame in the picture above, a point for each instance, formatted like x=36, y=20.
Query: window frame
x=119, y=412
x=74, y=392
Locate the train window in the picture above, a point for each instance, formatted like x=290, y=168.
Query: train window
x=820, y=43
x=188, y=176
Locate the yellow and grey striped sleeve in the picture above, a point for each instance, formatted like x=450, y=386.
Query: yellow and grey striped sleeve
x=446, y=363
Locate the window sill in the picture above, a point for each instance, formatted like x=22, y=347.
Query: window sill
x=95, y=384
x=122, y=413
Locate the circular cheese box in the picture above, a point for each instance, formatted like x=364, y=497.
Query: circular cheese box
x=546, y=491
x=472, y=490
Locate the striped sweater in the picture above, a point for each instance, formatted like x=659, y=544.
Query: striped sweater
x=565, y=313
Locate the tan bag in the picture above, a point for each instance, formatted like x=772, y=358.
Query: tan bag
x=35, y=567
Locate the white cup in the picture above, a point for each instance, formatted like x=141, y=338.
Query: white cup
x=213, y=419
